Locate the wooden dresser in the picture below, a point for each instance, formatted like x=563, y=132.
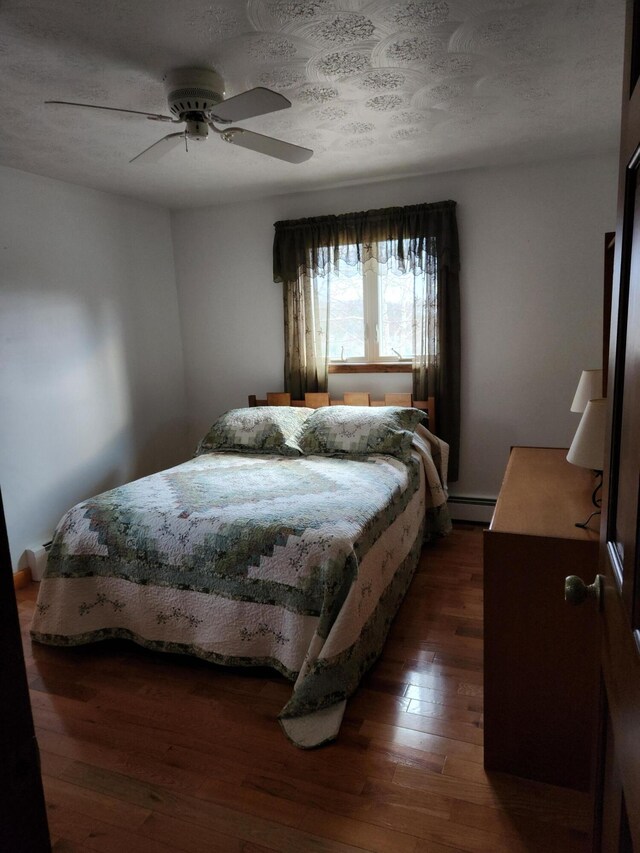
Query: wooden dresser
x=541, y=654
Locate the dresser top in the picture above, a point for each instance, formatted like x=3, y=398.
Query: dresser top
x=544, y=495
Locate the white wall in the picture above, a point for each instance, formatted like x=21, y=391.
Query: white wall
x=531, y=289
x=91, y=360
x=91, y=368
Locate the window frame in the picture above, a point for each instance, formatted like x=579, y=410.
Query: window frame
x=372, y=320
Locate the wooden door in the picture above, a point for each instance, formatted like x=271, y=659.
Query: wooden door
x=619, y=795
x=23, y=819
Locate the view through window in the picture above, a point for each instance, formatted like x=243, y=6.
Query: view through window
x=371, y=310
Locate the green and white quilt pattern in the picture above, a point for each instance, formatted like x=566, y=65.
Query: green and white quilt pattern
x=295, y=563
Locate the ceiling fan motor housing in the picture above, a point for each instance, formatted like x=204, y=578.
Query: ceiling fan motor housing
x=193, y=90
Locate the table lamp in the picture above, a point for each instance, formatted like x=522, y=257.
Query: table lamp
x=589, y=388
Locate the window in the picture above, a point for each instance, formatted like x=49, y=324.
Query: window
x=349, y=308
x=371, y=308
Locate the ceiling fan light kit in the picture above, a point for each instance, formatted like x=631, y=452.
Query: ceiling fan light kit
x=196, y=99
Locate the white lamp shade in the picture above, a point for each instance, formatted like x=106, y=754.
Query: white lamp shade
x=587, y=447
x=589, y=388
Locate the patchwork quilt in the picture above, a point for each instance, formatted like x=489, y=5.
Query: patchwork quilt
x=293, y=563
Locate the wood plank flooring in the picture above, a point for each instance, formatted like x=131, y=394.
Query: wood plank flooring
x=154, y=753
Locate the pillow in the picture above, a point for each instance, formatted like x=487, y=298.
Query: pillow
x=259, y=429
x=359, y=430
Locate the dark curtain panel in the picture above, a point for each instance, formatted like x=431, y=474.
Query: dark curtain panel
x=422, y=239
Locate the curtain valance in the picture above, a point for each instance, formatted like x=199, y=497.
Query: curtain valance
x=407, y=234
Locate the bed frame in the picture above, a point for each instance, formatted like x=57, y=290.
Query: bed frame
x=351, y=398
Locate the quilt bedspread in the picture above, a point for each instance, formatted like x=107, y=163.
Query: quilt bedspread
x=294, y=563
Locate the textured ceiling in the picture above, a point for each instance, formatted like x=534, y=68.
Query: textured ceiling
x=379, y=89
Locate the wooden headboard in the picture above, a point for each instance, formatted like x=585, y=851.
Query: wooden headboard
x=355, y=398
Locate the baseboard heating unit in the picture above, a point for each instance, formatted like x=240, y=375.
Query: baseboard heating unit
x=465, y=508
x=36, y=557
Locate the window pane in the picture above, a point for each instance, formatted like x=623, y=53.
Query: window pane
x=346, y=311
x=396, y=294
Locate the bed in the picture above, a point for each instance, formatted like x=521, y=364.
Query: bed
x=288, y=541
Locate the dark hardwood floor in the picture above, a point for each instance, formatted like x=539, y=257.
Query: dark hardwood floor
x=153, y=753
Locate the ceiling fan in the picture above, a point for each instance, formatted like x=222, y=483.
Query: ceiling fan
x=195, y=97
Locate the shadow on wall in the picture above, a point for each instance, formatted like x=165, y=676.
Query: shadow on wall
x=151, y=355
x=84, y=406
x=94, y=478
x=163, y=447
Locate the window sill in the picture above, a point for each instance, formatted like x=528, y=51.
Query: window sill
x=370, y=367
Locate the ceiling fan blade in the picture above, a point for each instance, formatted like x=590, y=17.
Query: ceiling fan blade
x=160, y=148
x=266, y=145
x=152, y=116
x=254, y=102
